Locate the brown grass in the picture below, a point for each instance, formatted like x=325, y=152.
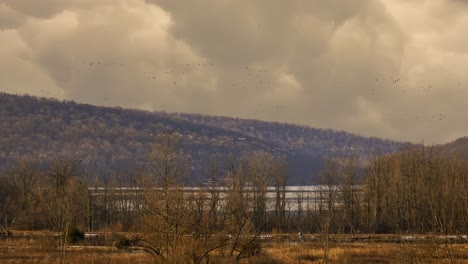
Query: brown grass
x=369, y=253
x=44, y=249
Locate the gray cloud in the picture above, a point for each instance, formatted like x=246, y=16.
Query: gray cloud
x=10, y=18
x=42, y=9
x=381, y=68
x=323, y=46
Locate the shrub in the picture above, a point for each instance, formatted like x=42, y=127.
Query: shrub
x=73, y=234
x=123, y=242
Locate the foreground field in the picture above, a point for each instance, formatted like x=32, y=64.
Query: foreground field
x=43, y=248
x=370, y=253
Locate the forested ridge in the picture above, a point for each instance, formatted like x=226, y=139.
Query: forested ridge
x=112, y=139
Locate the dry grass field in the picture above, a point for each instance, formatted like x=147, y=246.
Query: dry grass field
x=43, y=248
x=369, y=253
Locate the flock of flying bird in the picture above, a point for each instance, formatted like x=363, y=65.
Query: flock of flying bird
x=244, y=77
x=424, y=89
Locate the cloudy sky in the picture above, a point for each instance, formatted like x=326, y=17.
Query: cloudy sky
x=395, y=69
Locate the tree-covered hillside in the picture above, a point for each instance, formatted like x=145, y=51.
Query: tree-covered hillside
x=107, y=140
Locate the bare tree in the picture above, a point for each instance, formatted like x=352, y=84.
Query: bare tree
x=180, y=225
x=8, y=197
x=214, y=189
x=238, y=213
x=260, y=170
x=66, y=200
x=350, y=194
x=329, y=190
x=166, y=208
x=280, y=180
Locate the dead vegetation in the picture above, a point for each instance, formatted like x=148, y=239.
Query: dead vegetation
x=29, y=247
x=369, y=253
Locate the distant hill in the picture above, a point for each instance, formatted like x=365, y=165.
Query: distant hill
x=457, y=148
x=110, y=140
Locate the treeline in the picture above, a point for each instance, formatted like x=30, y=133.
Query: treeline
x=413, y=191
x=417, y=191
